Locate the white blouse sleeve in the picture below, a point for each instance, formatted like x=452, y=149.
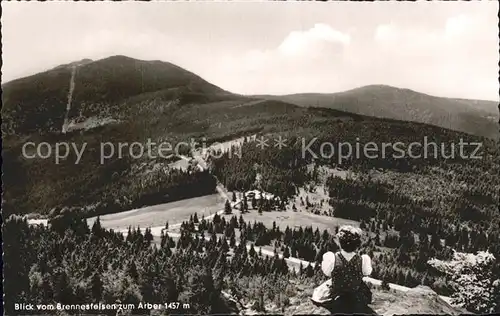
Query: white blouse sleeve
x=366, y=265
x=328, y=263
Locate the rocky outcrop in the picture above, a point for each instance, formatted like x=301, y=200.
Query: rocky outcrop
x=419, y=300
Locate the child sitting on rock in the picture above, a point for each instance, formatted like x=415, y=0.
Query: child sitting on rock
x=348, y=292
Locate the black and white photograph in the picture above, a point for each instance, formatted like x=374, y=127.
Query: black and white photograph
x=250, y=158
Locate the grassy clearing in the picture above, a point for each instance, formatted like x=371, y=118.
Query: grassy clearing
x=158, y=215
x=296, y=219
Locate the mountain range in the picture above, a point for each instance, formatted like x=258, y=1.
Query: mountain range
x=112, y=87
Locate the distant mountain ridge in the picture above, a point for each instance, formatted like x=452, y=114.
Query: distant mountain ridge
x=475, y=117
x=107, y=87
x=101, y=88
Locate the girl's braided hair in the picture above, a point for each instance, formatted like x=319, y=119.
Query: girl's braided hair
x=349, y=238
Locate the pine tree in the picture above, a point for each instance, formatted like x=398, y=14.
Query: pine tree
x=47, y=289
x=228, y=231
x=132, y=270
x=148, y=237
x=96, y=287
x=293, y=250
x=244, y=206
x=232, y=241
x=252, y=252
x=96, y=227
x=62, y=289
x=227, y=208
x=129, y=237
x=286, y=253
x=163, y=240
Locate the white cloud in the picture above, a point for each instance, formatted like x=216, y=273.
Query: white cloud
x=457, y=25
x=454, y=59
x=386, y=32
x=299, y=63
x=307, y=42
x=456, y=30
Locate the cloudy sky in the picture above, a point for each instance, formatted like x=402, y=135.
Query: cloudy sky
x=441, y=48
